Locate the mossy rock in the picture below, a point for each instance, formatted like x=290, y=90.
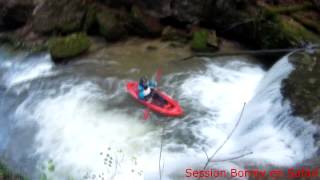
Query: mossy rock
x=199, y=40
x=287, y=9
x=68, y=46
x=283, y=32
x=302, y=87
x=112, y=24
x=309, y=19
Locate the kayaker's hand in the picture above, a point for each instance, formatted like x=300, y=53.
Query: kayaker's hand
x=152, y=84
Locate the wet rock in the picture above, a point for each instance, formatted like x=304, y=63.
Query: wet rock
x=90, y=20
x=302, y=87
x=213, y=40
x=62, y=48
x=277, y=31
x=143, y=24
x=112, y=23
x=63, y=16
x=156, y=8
x=317, y=4
x=172, y=34
x=151, y=48
x=15, y=13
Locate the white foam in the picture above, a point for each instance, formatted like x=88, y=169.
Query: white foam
x=25, y=69
x=77, y=125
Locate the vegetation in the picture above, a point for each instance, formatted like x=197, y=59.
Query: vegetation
x=199, y=40
x=303, y=85
x=6, y=174
x=69, y=46
x=284, y=9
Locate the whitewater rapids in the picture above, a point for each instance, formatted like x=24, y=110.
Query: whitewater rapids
x=81, y=121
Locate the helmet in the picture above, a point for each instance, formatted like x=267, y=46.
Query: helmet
x=143, y=81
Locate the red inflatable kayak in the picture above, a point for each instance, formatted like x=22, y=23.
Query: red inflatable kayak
x=171, y=109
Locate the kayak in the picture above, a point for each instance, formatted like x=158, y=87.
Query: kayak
x=172, y=108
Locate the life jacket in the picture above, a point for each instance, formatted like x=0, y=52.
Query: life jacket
x=145, y=91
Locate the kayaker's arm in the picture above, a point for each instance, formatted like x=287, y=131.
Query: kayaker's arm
x=141, y=92
x=152, y=84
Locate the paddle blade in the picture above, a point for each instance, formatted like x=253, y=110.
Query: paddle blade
x=158, y=75
x=146, y=114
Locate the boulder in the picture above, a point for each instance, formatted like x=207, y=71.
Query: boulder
x=69, y=46
x=143, y=24
x=213, y=40
x=156, y=8
x=15, y=13
x=302, y=87
x=285, y=32
x=112, y=23
x=199, y=40
x=172, y=34
x=204, y=40
x=63, y=16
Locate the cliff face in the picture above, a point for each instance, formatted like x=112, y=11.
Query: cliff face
x=256, y=23
x=14, y=13
x=302, y=87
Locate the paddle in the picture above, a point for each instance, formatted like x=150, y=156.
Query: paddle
x=146, y=113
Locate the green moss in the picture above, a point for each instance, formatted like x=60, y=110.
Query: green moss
x=51, y=166
x=283, y=32
x=285, y=9
x=69, y=46
x=297, y=33
x=199, y=40
x=302, y=87
x=308, y=22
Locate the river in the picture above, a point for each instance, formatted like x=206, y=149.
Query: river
x=76, y=120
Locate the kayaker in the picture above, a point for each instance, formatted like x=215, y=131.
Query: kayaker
x=147, y=91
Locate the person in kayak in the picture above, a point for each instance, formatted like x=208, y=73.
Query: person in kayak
x=147, y=91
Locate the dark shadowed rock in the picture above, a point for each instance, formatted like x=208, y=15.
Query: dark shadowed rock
x=112, y=23
x=14, y=13
x=143, y=24
x=59, y=16
x=302, y=87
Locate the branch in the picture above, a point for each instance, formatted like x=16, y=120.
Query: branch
x=160, y=155
x=247, y=52
x=226, y=140
x=233, y=158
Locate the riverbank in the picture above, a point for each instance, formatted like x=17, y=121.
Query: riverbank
x=46, y=24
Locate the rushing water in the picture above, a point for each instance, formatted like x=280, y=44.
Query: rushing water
x=77, y=116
